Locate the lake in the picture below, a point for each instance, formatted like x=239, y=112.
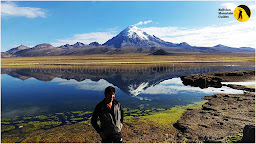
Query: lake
x=35, y=91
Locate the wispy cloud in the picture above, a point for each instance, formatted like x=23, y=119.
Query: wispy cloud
x=86, y=38
x=234, y=34
x=11, y=9
x=143, y=23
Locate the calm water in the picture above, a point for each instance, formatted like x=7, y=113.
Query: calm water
x=36, y=92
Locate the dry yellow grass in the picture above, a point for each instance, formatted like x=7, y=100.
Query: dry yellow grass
x=122, y=59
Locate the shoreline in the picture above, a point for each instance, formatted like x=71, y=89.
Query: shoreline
x=224, y=116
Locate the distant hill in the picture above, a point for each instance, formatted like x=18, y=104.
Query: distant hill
x=160, y=52
x=19, y=48
x=79, y=45
x=5, y=54
x=130, y=40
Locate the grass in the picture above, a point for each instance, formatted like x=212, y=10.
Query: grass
x=121, y=60
x=166, y=119
x=156, y=127
x=157, y=115
x=5, y=128
x=37, y=125
x=234, y=139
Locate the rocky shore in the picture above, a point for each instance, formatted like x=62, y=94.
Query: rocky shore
x=214, y=79
x=224, y=115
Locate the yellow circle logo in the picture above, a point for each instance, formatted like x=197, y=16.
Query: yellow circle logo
x=242, y=13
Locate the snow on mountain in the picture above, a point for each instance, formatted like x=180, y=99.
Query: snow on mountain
x=135, y=90
x=132, y=36
x=135, y=32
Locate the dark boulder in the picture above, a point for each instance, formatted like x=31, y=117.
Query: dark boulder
x=249, y=134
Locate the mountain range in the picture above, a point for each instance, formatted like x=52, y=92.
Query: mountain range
x=130, y=40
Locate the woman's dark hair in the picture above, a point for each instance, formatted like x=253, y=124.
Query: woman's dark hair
x=110, y=90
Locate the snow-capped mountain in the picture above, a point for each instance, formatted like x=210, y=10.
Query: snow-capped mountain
x=130, y=40
x=135, y=37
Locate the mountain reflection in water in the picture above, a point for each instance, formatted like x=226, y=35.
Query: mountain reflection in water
x=46, y=91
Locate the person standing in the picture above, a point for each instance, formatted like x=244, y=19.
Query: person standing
x=110, y=114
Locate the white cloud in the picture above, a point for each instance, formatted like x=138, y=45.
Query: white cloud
x=11, y=9
x=84, y=85
x=86, y=38
x=143, y=23
x=234, y=34
x=252, y=7
x=231, y=6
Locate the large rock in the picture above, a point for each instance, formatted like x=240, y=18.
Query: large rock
x=249, y=134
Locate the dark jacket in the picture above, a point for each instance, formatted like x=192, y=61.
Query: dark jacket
x=110, y=119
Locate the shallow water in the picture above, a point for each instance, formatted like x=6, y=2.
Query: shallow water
x=247, y=83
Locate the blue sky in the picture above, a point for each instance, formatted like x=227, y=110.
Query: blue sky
x=32, y=23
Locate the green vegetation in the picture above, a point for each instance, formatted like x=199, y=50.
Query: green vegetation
x=37, y=125
x=59, y=113
x=234, y=139
x=84, y=113
x=81, y=113
x=27, y=118
x=22, y=121
x=42, y=117
x=159, y=116
x=5, y=119
x=136, y=125
x=76, y=119
x=166, y=118
x=76, y=112
x=5, y=128
x=46, y=124
x=5, y=122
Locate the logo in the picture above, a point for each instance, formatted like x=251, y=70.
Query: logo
x=242, y=13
